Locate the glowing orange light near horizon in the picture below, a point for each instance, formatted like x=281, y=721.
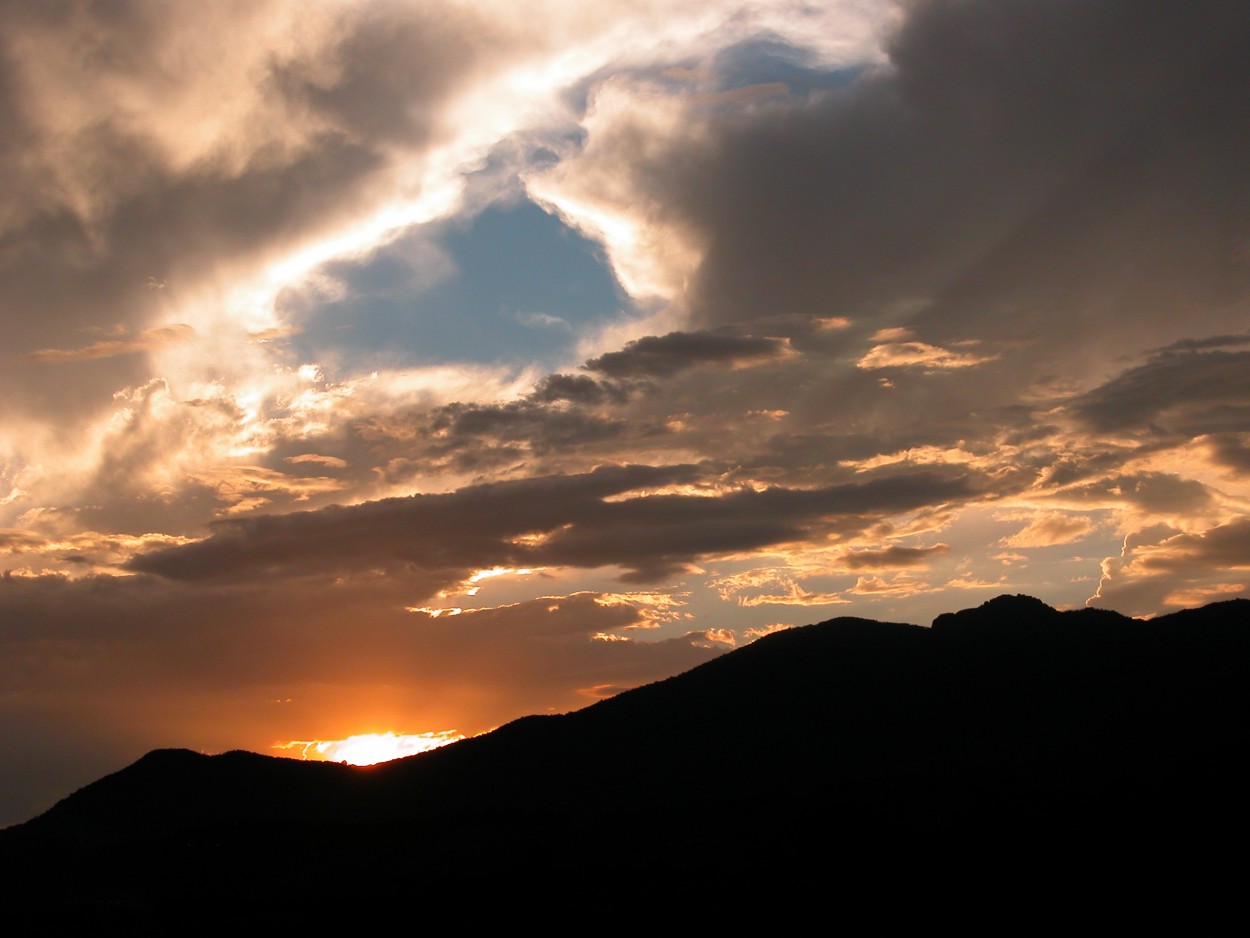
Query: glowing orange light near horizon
x=370, y=748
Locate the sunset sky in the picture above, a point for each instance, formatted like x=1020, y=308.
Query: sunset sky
x=410, y=367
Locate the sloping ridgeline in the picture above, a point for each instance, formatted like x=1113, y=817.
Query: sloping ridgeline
x=1011, y=760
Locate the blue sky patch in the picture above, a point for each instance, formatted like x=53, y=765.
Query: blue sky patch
x=514, y=284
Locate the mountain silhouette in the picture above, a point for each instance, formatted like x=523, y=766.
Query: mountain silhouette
x=1005, y=749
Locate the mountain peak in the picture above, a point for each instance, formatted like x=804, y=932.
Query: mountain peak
x=1002, y=611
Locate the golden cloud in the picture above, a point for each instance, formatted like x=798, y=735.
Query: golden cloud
x=149, y=340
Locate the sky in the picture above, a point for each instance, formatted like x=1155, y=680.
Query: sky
x=405, y=368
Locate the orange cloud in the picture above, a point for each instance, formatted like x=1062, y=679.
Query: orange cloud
x=918, y=354
x=1045, y=530
x=149, y=340
x=332, y=462
x=875, y=585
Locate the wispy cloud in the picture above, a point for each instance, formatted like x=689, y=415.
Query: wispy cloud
x=1048, y=529
x=918, y=354
x=149, y=340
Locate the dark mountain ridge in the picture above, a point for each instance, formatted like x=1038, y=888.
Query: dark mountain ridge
x=1010, y=730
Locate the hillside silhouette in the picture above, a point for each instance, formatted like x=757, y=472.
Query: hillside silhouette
x=1006, y=749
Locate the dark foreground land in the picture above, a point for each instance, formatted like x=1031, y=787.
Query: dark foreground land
x=1012, y=769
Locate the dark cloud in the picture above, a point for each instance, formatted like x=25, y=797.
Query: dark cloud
x=890, y=557
x=1225, y=547
x=663, y=356
x=438, y=537
x=1160, y=492
x=541, y=428
x=1184, y=392
x=579, y=521
x=1232, y=451
x=1212, y=342
x=577, y=389
x=1021, y=171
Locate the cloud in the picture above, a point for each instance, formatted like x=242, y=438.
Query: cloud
x=1007, y=559
x=575, y=521
x=653, y=606
x=1201, y=595
x=663, y=356
x=330, y=462
x=1231, y=450
x=543, y=321
x=443, y=535
x=1211, y=342
x=1225, y=546
x=889, y=558
x=146, y=341
x=771, y=587
x=78, y=554
x=540, y=428
x=1182, y=392
x=1176, y=569
x=747, y=94
x=913, y=354
x=1030, y=203
x=577, y=389
x=1048, y=529
x=1149, y=493
x=752, y=634
x=877, y=586
x=14, y=541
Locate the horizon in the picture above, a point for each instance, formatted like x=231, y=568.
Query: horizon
x=383, y=372
x=1205, y=638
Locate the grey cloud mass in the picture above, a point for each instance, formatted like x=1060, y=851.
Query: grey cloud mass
x=1187, y=392
x=1020, y=170
x=891, y=557
x=661, y=356
x=434, y=541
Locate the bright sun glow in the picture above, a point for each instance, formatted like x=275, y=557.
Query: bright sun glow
x=370, y=748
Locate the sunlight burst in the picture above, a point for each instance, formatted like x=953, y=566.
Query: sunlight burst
x=370, y=748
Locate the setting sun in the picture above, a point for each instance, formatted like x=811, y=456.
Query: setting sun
x=370, y=748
